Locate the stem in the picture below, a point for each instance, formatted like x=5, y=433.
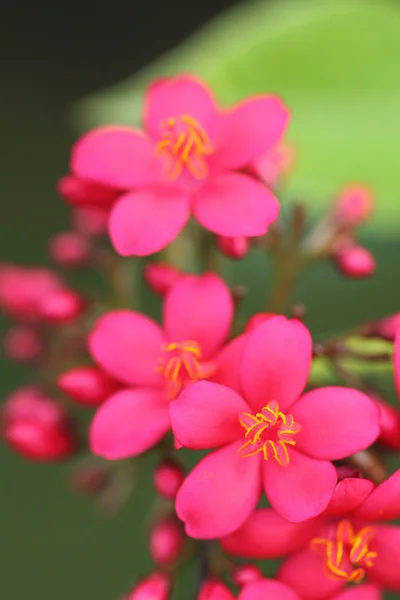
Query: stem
x=370, y=466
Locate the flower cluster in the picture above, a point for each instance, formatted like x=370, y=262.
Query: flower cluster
x=257, y=459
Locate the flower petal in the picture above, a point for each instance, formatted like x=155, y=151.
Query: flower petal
x=300, y=490
x=235, y=205
x=396, y=359
x=335, y=422
x=128, y=345
x=144, y=222
x=248, y=130
x=348, y=495
x=200, y=309
x=266, y=534
x=305, y=573
x=176, y=97
x=129, y=423
x=385, y=570
x=276, y=362
x=228, y=362
x=120, y=157
x=206, y=415
x=202, y=501
x=369, y=591
x=383, y=504
x=267, y=588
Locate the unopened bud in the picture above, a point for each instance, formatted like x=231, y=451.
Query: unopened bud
x=61, y=307
x=233, y=247
x=70, y=249
x=167, y=541
x=353, y=206
x=244, y=574
x=156, y=586
x=80, y=192
x=215, y=590
x=167, y=479
x=160, y=277
x=23, y=344
x=88, y=385
x=389, y=422
x=355, y=262
x=386, y=328
x=91, y=220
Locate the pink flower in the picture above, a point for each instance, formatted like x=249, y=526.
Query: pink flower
x=159, y=362
x=345, y=545
x=186, y=159
x=275, y=590
x=268, y=438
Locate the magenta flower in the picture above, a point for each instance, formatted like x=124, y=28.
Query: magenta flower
x=186, y=159
x=160, y=361
x=345, y=545
x=275, y=590
x=268, y=438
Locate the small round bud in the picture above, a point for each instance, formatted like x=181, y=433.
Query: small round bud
x=244, y=574
x=91, y=220
x=23, y=344
x=353, y=206
x=61, y=307
x=167, y=541
x=160, y=277
x=214, y=589
x=156, y=586
x=78, y=191
x=389, y=422
x=355, y=262
x=233, y=247
x=88, y=385
x=386, y=328
x=167, y=479
x=70, y=249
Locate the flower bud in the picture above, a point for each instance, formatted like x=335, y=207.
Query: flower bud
x=389, y=422
x=78, y=191
x=61, y=307
x=70, y=249
x=386, y=328
x=88, y=385
x=156, y=586
x=21, y=288
x=36, y=427
x=214, y=589
x=167, y=479
x=233, y=247
x=160, y=277
x=244, y=574
x=89, y=480
x=355, y=262
x=167, y=540
x=353, y=206
x=91, y=220
x=23, y=344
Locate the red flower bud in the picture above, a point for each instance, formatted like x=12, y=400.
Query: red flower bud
x=61, y=307
x=353, y=206
x=23, y=344
x=386, y=328
x=36, y=427
x=355, y=262
x=166, y=541
x=233, y=247
x=389, y=421
x=160, y=277
x=167, y=479
x=244, y=574
x=70, y=249
x=78, y=191
x=155, y=587
x=89, y=385
x=215, y=590
x=91, y=220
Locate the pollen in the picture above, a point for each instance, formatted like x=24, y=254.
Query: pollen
x=185, y=144
x=181, y=363
x=346, y=553
x=269, y=432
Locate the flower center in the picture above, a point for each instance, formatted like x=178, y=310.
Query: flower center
x=346, y=552
x=185, y=144
x=180, y=363
x=270, y=432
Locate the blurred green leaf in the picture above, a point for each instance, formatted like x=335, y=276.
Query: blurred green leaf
x=335, y=64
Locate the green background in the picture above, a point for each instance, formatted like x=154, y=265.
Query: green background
x=336, y=65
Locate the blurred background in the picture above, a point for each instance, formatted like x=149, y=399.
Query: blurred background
x=336, y=65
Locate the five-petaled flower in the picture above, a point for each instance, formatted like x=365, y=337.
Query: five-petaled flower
x=268, y=437
x=188, y=158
